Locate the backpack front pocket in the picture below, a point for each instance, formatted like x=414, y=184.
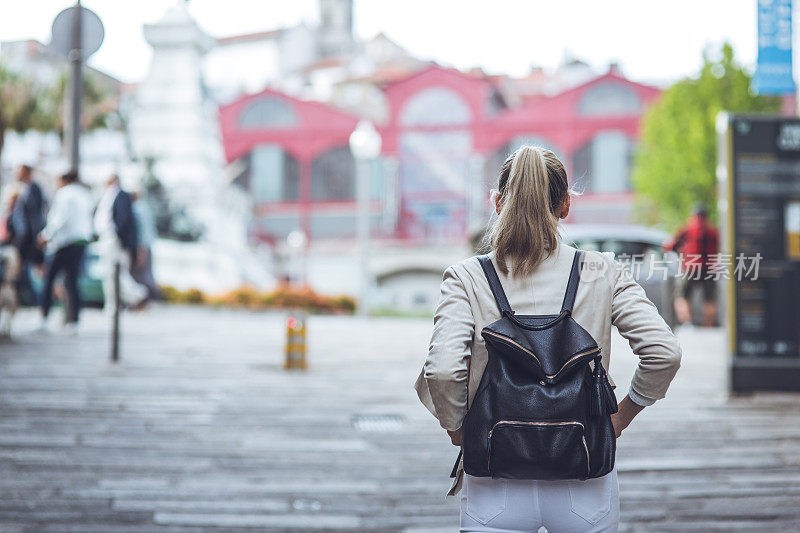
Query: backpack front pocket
x=538, y=449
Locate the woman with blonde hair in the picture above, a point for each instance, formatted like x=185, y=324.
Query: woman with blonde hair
x=525, y=486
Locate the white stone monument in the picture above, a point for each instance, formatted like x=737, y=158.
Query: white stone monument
x=174, y=122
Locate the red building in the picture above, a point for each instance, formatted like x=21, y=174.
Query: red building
x=295, y=161
x=446, y=134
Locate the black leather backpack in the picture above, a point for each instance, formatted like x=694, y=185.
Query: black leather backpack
x=540, y=411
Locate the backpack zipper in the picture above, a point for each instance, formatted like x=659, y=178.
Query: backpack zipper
x=521, y=347
x=529, y=423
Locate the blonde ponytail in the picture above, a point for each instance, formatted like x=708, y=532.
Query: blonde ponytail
x=532, y=185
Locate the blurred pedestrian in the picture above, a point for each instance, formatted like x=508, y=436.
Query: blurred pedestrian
x=531, y=271
x=142, y=270
x=118, y=243
x=64, y=237
x=6, y=225
x=698, y=245
x=27, y=220
x=10, y=263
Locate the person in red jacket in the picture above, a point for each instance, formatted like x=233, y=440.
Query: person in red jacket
x=698, y=242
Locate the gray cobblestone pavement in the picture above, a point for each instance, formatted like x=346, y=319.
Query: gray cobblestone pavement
x=199, y=429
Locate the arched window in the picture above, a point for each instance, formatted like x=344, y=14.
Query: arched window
x=434, y=172
x=267, y=113
x=436, y=106
x=604, y=163
x=274, y=175
x=609, y=99
x=333, y=175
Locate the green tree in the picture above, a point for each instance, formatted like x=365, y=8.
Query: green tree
x=26, y=105
x=675, y=166
x=97, y=103
x=19, y=109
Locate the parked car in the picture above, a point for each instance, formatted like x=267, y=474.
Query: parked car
x=640, y=246
x=90, y=283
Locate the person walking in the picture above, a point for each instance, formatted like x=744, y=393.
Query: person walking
x=64, y=237
x=6, y=225
x=532, y=266
x=142, y=270
x=698, y=245
x=27, y=220
x=9, y=265
x=118, y=242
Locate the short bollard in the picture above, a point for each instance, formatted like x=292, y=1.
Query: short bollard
x=295, y=342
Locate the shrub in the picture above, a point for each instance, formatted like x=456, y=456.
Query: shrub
x=170, y=294
x=241, y=297
x=194, y=296
x=190, y=296
x=345, y=303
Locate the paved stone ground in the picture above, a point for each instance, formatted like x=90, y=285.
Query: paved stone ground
x=197, y=428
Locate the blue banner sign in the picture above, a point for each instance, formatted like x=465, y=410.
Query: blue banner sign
x=774, y=66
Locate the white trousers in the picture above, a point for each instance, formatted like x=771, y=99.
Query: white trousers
x=520, y=505
x=130, y=292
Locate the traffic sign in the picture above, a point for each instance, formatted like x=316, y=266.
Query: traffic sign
x=91, y=29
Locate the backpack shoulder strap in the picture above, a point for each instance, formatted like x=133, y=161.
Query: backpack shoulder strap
x=572, y=284
x=494, y=284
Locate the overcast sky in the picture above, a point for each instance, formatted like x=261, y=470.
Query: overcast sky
x=653, y=40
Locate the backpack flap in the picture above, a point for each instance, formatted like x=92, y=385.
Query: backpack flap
x=549, y=349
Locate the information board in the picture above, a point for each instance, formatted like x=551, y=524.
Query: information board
x=760, y=207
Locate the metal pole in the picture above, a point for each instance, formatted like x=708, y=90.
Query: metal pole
x=115, y=323
x=362, y=177
x=76, y=92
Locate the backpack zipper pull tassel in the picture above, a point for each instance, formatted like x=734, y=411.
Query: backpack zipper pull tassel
x=602, y=401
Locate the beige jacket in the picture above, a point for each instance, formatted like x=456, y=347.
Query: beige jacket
x=607, y=295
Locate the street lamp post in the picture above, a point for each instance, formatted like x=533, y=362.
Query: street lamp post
x=76, y=89
x=77, y=34
x=365, y=145
x=298, y=252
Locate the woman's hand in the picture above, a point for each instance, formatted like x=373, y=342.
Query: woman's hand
x=455, y=437
x=624, y=416
x=618, y=424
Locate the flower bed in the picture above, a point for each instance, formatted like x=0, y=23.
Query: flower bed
x=282, y=297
